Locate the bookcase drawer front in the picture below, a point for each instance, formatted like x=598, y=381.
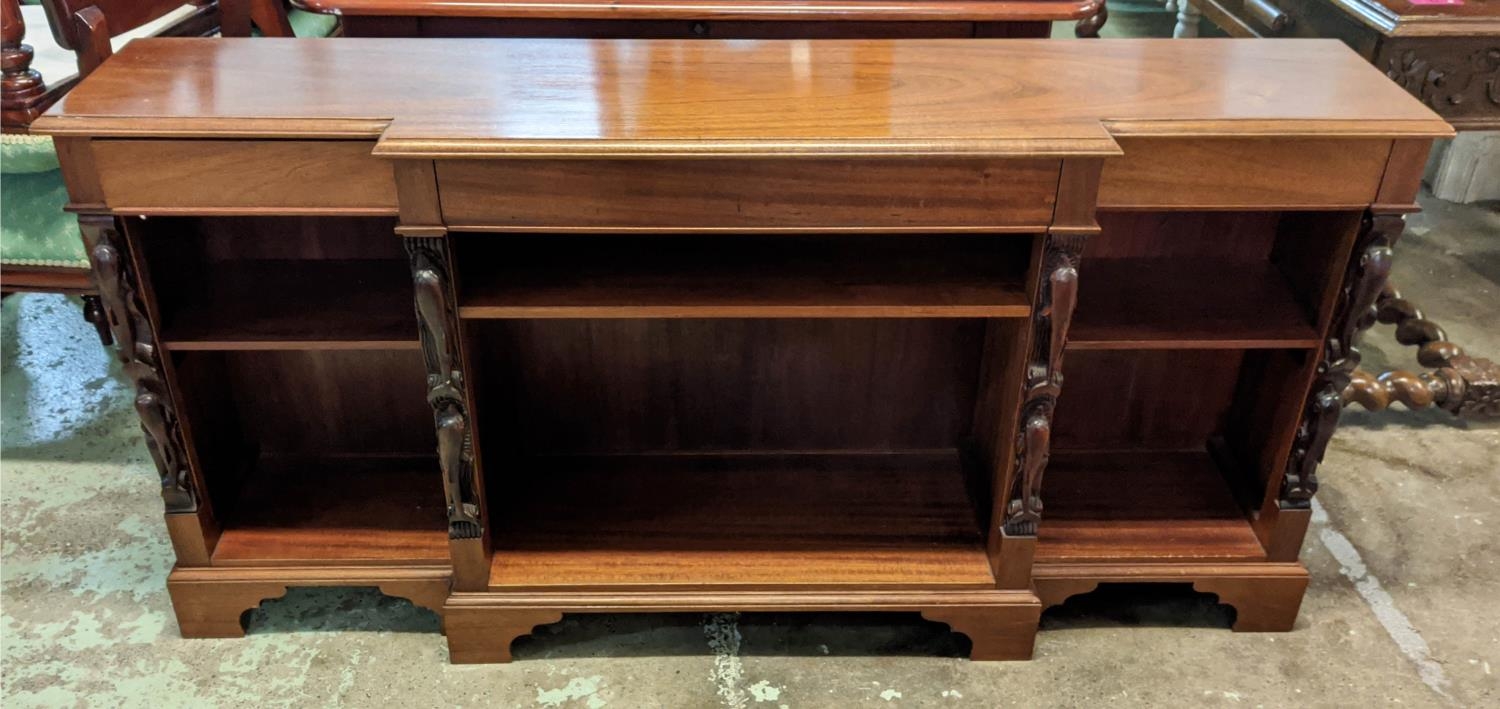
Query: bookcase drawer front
x=748, y=195
x=208, y=176
x=1249, y=173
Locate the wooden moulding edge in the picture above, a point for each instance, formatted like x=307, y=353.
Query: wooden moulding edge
x=310, y=575
x=748, y=600
x=450, y=149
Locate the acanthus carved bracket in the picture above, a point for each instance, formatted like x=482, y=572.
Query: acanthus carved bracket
x=437, y=320
x=1369, y=267
x=125, y=311
x=1052, y=311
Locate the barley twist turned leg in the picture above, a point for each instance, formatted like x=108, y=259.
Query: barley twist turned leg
x=1090, y=26
x=1459, y=384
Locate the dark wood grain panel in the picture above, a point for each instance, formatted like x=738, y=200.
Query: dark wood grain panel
x=750, y=194
x=876, y=521
x=331, y=511
x=1176, y=233
x=244, y=283
x=1141, y=507
x=564, y=276
x=1144, y=399
x=331, y=402
x=630, y=386
x=300, y=304
x=1146, y=303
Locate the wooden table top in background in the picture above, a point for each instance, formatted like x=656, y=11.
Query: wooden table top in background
x=770, y=10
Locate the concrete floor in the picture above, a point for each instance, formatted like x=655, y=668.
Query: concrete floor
x=1401, y=608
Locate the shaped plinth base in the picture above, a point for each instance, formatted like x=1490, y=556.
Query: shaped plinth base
x=481, y=626
x=211, y=601
x=1265, y=597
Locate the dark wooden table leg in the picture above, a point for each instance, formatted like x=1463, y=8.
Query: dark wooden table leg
x=1457, y=383
x=1090, y=26
x=93, y=311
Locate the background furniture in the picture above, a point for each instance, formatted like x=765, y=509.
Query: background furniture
x=1448, y=56
x=737, y=19
x=809, y=356
x=40, y=249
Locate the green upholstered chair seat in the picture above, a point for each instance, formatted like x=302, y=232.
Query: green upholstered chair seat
x=20, y=153
x=312, y=24
x=306, y=24
x=34, y=229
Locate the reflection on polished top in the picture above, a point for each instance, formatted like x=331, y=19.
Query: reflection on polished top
x=670, y=97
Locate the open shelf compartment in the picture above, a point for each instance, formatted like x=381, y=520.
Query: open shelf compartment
x=688, y=276
x=356, y=510
x=1199, y=280
x=736, y=521
x=279, y=283
x=1107, y=507
x=306, y=463
x=690, y=454
x=1164, y=455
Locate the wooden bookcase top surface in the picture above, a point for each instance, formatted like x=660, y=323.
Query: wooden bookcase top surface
x=667, y=98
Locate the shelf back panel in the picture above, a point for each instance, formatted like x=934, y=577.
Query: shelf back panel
x=572, y=387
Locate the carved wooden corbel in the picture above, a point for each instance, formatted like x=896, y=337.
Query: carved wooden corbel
x=1052, y=311
x=1363, y=281
x=437, y=320
x=125, y=312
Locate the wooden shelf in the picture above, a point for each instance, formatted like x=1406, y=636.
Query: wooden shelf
x=1185, y=303
x=341, y=511
x=292, y=305
x=1141, y=506
x=560, y=276
x=737, y=521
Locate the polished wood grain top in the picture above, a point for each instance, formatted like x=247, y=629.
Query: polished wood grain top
x=753, y=98
x=768, y=10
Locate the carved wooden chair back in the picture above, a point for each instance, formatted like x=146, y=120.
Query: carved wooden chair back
x=86, y=26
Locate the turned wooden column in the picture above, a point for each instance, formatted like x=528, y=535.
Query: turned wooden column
x=20, y=85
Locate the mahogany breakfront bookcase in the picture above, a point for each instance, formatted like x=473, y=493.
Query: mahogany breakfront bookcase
x=955, y=327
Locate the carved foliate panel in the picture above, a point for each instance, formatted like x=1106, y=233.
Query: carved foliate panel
x=125, y=311
x=1459, y=78
x=1369, y=266
x=1052, y=311
x=437, y=319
